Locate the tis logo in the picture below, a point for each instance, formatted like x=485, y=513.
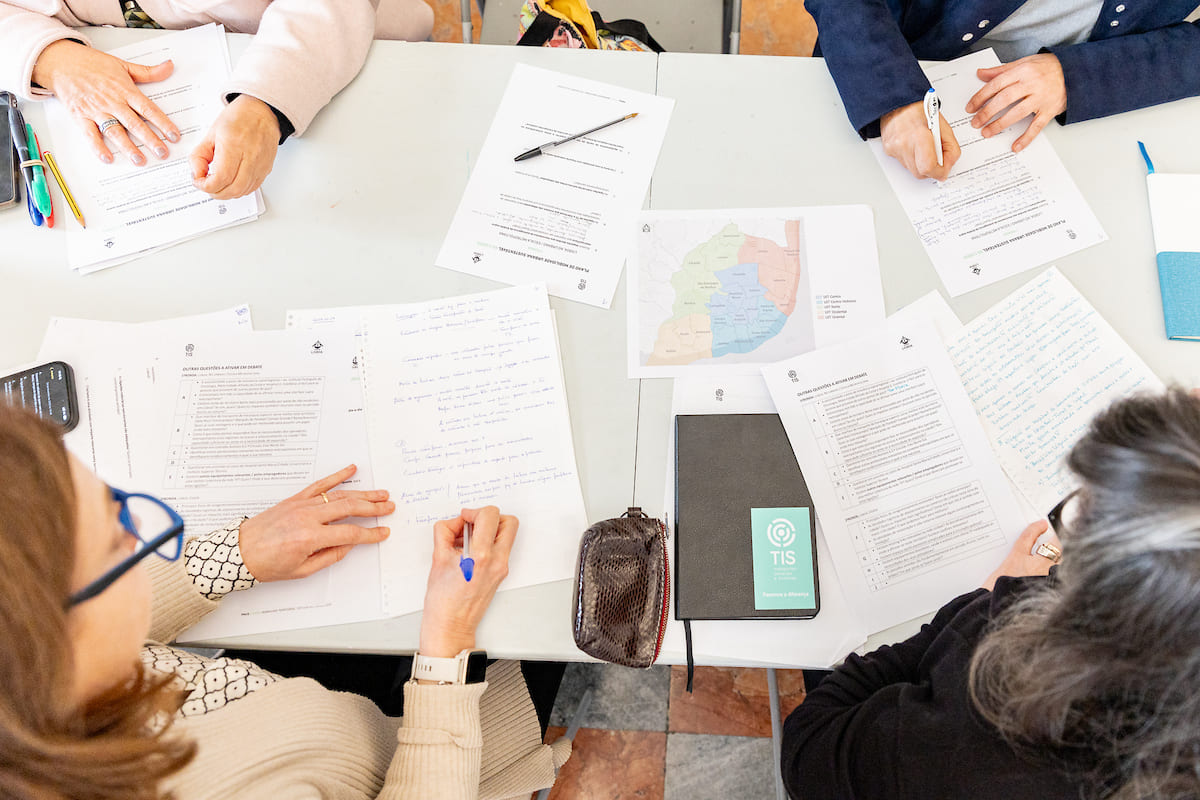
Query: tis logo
x=720, y=394
x=792, y=375
x=781, y=533
x=582, y=284
x=189, y=350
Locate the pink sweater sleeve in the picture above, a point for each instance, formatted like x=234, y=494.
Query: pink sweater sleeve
x=304, y=53
x=24, y=34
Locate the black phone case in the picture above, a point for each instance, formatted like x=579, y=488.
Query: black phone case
x=8, y=165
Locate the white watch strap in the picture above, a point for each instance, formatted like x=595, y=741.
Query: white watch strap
x=442, y=670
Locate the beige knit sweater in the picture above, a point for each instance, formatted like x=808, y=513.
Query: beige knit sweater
x=296, y=740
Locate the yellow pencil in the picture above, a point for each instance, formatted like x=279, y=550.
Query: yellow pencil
x=63, y=185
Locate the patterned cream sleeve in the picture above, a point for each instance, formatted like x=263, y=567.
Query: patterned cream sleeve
x=214, y=562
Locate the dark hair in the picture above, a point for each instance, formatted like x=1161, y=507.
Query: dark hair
x=116, y=746
x=1099, y=671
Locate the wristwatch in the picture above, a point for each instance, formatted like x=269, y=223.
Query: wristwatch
x=469, y=666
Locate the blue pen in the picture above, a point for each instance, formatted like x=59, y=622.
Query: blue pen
x=35, y=216
x=465, y=562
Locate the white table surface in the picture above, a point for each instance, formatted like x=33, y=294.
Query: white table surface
x=760, y=131
x=357, y=209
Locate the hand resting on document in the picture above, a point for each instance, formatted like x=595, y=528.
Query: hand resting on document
x=1031, y=85
x=454, y=606
x=304, y=533
x=1021, y=560
x=96, y=87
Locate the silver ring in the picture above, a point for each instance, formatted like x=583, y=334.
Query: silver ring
x=1047, y=550
x=108, y=123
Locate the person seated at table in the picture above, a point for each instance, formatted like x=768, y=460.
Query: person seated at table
x=303, y=53
x=1072, y=60
x=89, y=709
x=1081, y=684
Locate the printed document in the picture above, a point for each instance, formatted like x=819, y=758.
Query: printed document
x=1038, y=366
x=728, y=291
x=114, y=365
x=913, y=503
x=243, y=423
x=819, y=642
x=466, y=407
x=132, y=210
x=565, y=217
x=1000, y=212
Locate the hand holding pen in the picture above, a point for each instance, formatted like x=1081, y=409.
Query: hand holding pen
x=455, y=605
x=908, y=138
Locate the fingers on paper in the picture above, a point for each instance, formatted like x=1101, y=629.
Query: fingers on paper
x=446, y=535
x=352, y=506
x=1040, y=121
x=146, y=108
x=92, y=132
x=149, y=74
x=995, y=79
x=134, y=126
x=327, y=483
x=1028, y=538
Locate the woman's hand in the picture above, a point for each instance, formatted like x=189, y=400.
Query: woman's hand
x=906, y=137
x=453, y=605
x=95, y=87
x=297, y=537
x=1035, y=84
x=237, y=153
x=1021, y=561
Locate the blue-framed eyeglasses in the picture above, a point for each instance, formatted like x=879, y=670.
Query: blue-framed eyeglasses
x=155, y=526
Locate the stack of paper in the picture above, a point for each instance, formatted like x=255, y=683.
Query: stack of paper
x=132, y=211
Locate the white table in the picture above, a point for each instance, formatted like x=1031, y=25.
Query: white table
x=358, y=207
x=758, y=131
x=356, y=212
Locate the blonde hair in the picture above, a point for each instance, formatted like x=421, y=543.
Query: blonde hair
x=115, y=747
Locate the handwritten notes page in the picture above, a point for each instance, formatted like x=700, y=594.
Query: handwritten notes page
x=912, y=501
x=565, y=217
x=466, y=407
x=1000, y=212
x=1038, y=366
x=134, y=210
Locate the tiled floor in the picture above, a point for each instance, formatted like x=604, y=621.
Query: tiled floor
x=769, y=27
x=644, y=737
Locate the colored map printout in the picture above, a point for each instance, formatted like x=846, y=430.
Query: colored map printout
x=731, y=290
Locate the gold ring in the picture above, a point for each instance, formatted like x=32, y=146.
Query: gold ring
x=325, y=496
x=1047, y=550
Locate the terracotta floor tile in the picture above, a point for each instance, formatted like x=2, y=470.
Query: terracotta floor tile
x=612, y=765
x=447, y=20
x=777, y=28
x=729, y=701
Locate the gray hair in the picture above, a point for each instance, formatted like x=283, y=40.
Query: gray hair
x=1098, y=672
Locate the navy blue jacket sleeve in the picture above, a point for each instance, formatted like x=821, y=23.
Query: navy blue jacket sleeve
x=870, y=61
x=1129, y=72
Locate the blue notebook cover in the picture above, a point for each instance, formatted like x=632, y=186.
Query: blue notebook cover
x=1179, y=281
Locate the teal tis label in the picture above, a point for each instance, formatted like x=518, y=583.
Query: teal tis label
x=783, y=559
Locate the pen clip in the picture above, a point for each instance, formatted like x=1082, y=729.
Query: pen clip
x=932, y=106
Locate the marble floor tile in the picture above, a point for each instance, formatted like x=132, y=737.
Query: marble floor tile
x=612, y=765
x=730, y=701
x=623, y=698
x=702, y=767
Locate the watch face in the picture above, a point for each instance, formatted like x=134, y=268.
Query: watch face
x=477, y=667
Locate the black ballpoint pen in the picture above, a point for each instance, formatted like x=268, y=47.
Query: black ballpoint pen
x=537, y=151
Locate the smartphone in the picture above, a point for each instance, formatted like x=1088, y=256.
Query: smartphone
x=47, y=390
x=8, y=163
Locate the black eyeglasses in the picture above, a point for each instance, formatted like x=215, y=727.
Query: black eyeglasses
x=1055, y=517
x=155, y=525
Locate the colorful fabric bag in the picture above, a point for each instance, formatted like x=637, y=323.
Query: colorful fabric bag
x=572, y=23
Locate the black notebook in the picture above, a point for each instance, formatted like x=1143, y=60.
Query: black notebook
x=745, y=537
